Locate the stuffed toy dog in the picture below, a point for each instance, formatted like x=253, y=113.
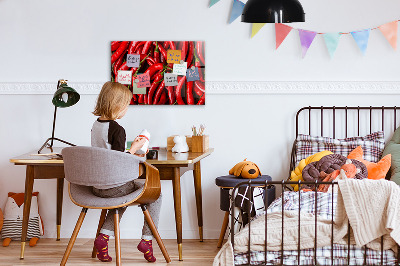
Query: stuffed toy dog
x=245, y=169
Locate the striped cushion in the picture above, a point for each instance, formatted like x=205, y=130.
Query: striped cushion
x=13, y=228
x=372, y=145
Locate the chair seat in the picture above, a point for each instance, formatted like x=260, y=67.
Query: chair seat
x=83, y=196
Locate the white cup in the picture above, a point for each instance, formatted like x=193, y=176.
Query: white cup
x=144, y=134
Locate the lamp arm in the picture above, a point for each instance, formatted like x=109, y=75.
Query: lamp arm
x=54, y=126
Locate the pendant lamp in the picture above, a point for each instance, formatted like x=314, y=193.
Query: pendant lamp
x=64, y=96
x=272, y=11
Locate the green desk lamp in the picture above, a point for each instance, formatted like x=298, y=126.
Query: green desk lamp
x=65, y=96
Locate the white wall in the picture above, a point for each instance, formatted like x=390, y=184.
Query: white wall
x=42, y=41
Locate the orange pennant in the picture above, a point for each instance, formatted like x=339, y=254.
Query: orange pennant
x=389, y=30
x=281, y=31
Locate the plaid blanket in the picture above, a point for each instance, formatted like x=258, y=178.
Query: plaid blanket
x=323, y=205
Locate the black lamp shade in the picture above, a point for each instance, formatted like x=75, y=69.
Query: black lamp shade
x=65, y=96
x=273, y=11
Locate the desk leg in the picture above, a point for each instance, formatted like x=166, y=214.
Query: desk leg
x=27, y=206
x=199, y=204
x=60, y=190
x=176, y=182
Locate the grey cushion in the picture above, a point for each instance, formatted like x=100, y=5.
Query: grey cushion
x=393, y=148
x=83, y=195
x=99, y=167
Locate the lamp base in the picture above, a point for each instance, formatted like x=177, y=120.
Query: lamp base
x=50, y=146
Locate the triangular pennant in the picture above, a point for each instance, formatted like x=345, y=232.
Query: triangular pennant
x=281, y=31
x=213, y=2
x=306, y=39
x=389, y=30
x=361, y=37
x=255, y=28
x=332, y=41
x=237, y=9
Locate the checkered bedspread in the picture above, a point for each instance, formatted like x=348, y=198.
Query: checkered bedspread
x=307, y=202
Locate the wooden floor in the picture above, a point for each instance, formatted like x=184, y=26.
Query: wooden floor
x=50, y=252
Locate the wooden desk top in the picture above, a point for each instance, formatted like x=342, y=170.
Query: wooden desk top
x=164, y=157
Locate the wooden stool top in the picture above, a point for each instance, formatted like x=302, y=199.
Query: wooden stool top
x=230, y=181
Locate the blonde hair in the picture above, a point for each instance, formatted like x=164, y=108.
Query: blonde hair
x=112, y=98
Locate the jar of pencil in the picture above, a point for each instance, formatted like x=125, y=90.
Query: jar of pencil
x=199, y=140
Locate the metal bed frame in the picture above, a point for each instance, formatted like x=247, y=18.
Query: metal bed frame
x=283, y=184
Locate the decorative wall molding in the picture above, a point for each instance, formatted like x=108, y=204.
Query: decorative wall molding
x=233, y=87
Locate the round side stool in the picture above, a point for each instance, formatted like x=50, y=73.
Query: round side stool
x=226, y=183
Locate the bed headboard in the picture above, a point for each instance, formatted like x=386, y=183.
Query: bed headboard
x=344, y=121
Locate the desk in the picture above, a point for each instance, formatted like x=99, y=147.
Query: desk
x=170, y=165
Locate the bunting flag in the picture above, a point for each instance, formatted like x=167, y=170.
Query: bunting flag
x=306, y=39
x=332, y=41
x=256, y=27
x=281, y=31
x=389, y=30
x=237, y=9
x=361, y=37
x=213, y=2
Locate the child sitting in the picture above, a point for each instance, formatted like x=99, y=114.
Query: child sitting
x=112, y=103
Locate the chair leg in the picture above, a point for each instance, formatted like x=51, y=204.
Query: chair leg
x=154, y=230
x=117, y=239
x=73, y=237
x=223, y=229
x=101, y=222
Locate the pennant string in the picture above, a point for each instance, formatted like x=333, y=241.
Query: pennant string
x=347, y=32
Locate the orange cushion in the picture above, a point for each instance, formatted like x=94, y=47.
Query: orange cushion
x=375, y=170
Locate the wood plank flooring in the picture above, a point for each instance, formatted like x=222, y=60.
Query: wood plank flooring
x=50, y=252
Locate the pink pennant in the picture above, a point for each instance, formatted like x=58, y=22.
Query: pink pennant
x=281, y=31
x=389, y=30
x=306, y=39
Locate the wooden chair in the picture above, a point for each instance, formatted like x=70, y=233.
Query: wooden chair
x=85, y=167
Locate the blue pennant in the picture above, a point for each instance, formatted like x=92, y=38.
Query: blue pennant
x=237, y=9
x=361, y=38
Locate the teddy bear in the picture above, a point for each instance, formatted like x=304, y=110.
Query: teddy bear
x=13, y=215
x=245, y=169
x=180, y=144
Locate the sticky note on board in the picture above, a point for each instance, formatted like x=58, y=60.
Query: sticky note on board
x=144, y=80
x=180, y=69
x=133, y=60
x=136, y=90
x=124, y=77
x=192, y=74
x=170, y=79
x=173, y=56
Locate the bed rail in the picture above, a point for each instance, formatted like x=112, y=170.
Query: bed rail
x=265, y=185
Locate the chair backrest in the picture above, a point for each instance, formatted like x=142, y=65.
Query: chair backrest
x=92, y=166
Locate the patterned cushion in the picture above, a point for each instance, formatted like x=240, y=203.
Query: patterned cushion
x=372, y=144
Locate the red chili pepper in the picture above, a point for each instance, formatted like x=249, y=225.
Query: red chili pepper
x=115, y=45
x=141, y=98
x=121, y=50
x=153, y=87
x=189, y=93
x=150, y=61
x=162, y=51
x=178, y=91
x=171, y=94
x=199, y=88
x=154, y=68
x=117, y=65
x=163, y=99
x=171, y=45
x=202, y=100
x=199, y=50
x=134, y=97
x=190, y=54
x=184, y=50
x=157, y=58
x=132, y=47
x=159, y=92
x=200, y=69
x=146, y=47
x=138, y=46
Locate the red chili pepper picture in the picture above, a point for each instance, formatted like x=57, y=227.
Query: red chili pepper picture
x=153, y=60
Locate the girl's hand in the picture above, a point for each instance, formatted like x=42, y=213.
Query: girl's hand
x=142, y=155
x=137, y=144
